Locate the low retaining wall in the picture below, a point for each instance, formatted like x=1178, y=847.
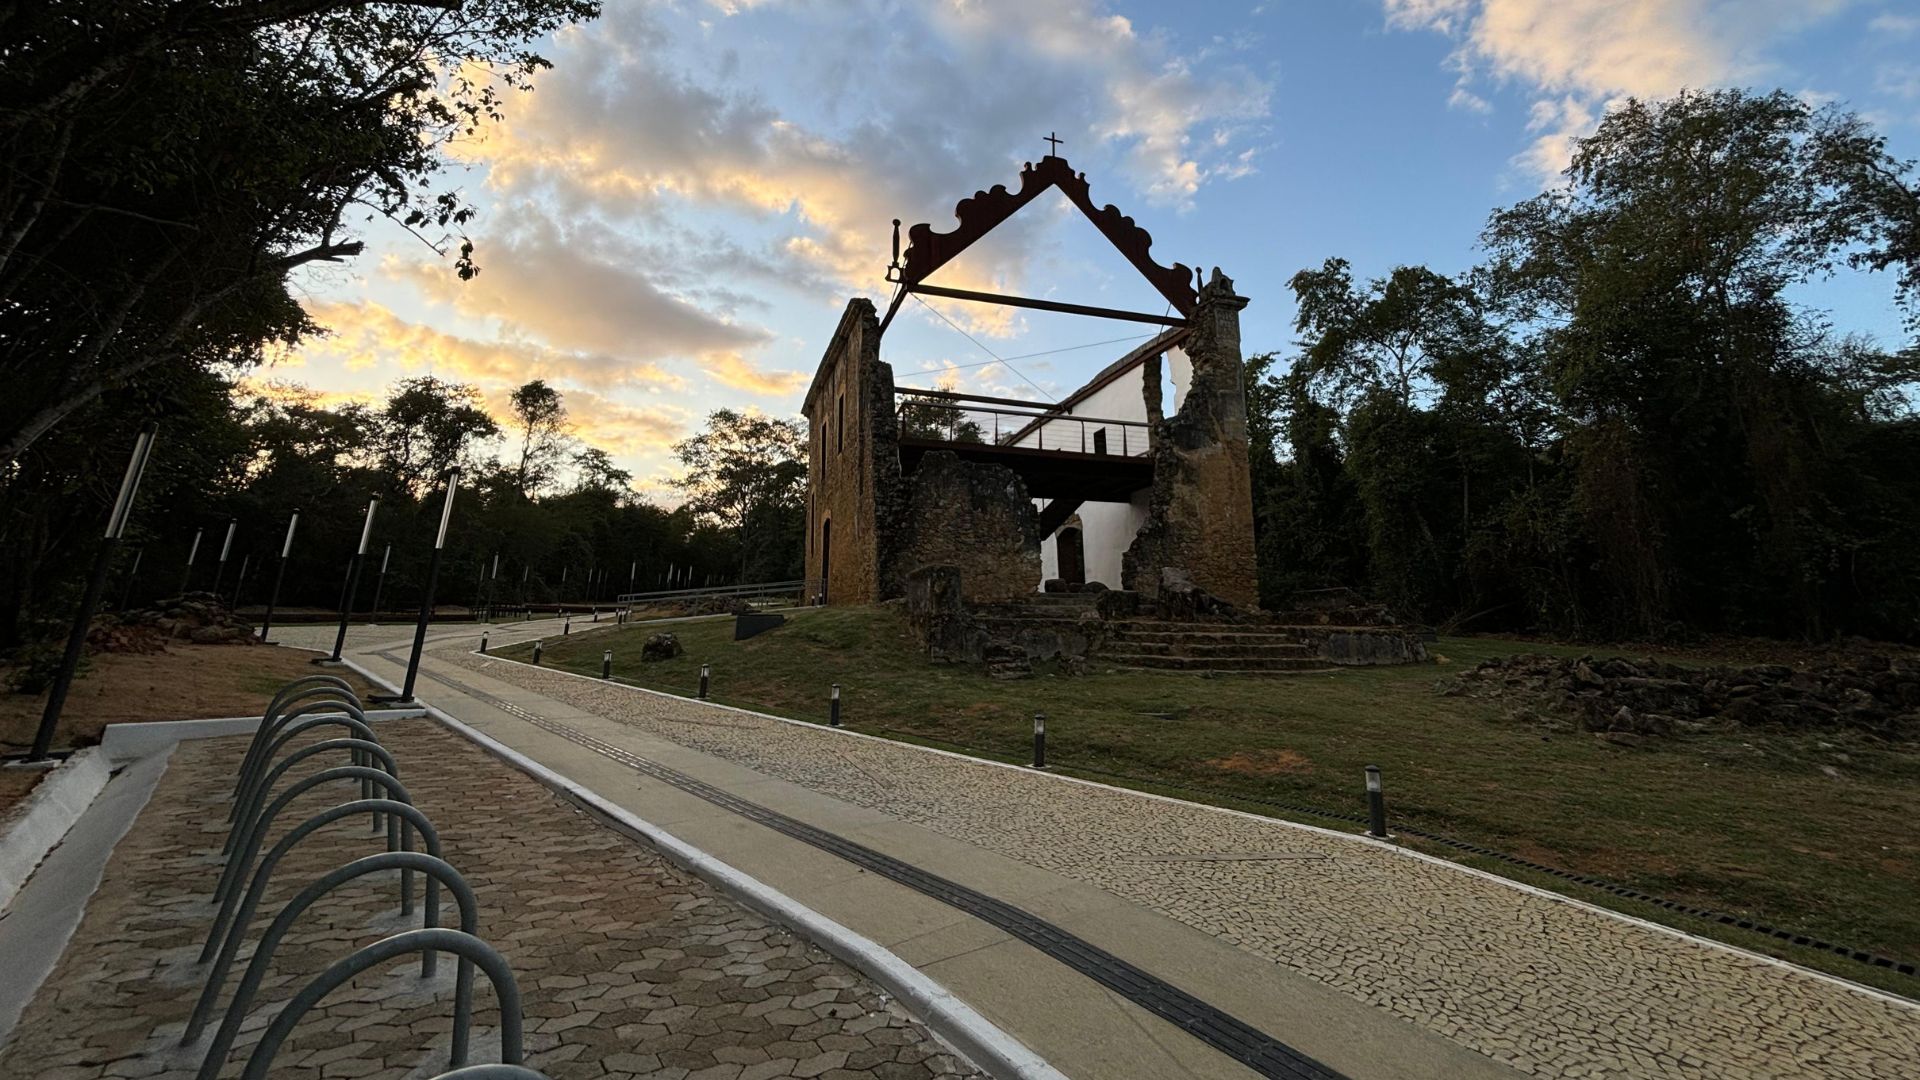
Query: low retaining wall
x=45, y=815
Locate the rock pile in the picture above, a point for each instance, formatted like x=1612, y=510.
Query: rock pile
x=197, y=617
x=1633, y=698
x=660, y=647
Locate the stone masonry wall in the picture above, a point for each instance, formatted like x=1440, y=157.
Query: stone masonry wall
x=1200, y=509
x=852, y=464
x=974, y=518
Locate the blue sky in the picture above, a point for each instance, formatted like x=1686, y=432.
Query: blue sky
x=673, y=220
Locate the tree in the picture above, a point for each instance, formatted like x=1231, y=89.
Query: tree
x=170, y=164
x=540, y=418
x=1390, y=335
x=747, y=473
x=594, y=470
x=426, y=427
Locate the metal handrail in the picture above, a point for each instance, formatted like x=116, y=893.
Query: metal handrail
x=1036, y=425
x=468, y=946
x=767, y=588
x=436, y=869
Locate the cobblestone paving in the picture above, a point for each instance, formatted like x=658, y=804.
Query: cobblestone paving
x=628, y=966
x=1549, y=988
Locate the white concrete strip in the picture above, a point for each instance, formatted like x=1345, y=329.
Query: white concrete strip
x=1351, y=837
x=974, y=1036
x=45, y=815
x=35, y=930
x=126, y=742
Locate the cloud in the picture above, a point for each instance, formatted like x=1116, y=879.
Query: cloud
x=549, y=286
x=364, y=334
x=624, y=132
x=736, y=371
x=1888, y=25
x=1582, y=55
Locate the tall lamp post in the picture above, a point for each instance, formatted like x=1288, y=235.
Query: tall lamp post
x=279, y=575
x=426, y=599
x=380, y=583
x=353, y=578
x=225, y=549
x=77, y=638
x=186, y=576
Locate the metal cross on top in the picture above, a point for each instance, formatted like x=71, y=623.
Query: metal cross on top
x=1053, y=144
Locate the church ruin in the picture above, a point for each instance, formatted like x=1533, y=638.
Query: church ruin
x=1137, y=484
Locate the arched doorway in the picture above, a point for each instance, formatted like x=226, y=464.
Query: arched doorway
x=1073, y=555
x=826, y=557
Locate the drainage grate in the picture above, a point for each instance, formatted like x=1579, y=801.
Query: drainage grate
x=1231, y=1036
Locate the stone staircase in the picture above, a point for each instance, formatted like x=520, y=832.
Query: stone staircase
x=1068, y=625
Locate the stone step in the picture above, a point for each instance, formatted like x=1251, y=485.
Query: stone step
x=1211, y=670
x=1149, y=661
x=1213, y=650
x=1204, y=637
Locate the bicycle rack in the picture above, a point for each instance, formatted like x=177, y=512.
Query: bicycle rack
x=309, y=686
x=360, y=751
x=227, y=888
x=249, y=789
x=453, y=941
x=436, y=869
x=265, y=735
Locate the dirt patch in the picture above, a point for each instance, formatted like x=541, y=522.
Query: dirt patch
x=14, y=785
x=186, y=682
x=1280, y=762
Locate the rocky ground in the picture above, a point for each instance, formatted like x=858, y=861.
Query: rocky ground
x=1632, y=699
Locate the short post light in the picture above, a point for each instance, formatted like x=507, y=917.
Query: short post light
x=279, y=575
x=352, y=586
x=83, y=619
x=483, y=642
x=536, y=654
x=1376, y=804
x=566, y=627
x=705, y=674
x=606, y=664
x=833, y=706
x=1039, y=740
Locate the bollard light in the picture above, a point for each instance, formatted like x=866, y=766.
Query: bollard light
x=1039, y=740
x=703, y=682
x=1376, y=804
x=568, y=627
x=606, y=664
x=833, y=706
x=483, y=642
x=536, y=654
x=596, y=614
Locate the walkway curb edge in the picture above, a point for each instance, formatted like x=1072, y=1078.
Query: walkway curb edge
x=1358, y=838
x=973, y=1035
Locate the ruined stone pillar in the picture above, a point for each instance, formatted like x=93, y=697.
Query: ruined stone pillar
x=1200, y=508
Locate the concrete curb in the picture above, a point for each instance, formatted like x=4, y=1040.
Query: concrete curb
x=126, y=742
x=1358, y=838
x=45, y=815
x=953, y=1020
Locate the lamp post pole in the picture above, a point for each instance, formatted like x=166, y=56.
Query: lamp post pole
x=126, y=593
x=279, y=575
x=77, y=637
x=353, y=578
x=186, y=576
x=380, y=583
x=426, y=599
x=220, y=571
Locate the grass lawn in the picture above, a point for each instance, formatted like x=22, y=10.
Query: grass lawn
x=1747, y=823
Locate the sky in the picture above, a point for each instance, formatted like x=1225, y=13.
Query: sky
x=673, y=220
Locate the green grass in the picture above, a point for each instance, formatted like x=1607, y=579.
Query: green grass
x=1746, y=823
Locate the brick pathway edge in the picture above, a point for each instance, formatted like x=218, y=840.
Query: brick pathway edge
x=974, y=1036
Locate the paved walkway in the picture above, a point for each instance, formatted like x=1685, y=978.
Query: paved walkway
x=1374, y=962
x=628, y=966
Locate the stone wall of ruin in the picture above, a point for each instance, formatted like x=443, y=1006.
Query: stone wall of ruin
x=974, y=518
x=1200, y=508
